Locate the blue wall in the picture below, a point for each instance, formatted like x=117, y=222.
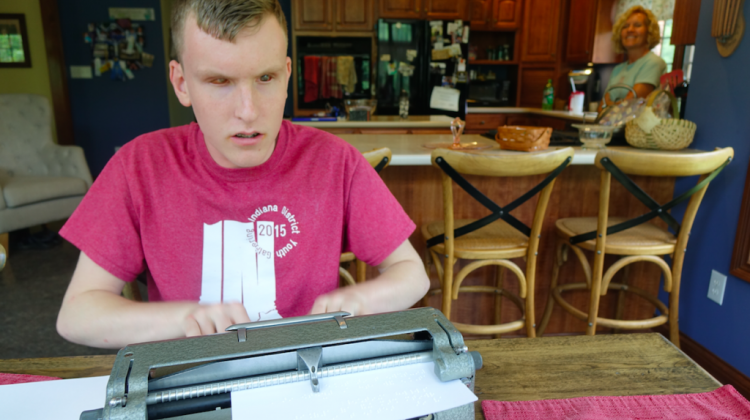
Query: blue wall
x=719, y=102
x=109, y=113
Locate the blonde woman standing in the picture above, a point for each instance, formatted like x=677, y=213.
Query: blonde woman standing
x=636, y=32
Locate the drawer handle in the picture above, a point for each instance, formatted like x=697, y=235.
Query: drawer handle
x=482, y=122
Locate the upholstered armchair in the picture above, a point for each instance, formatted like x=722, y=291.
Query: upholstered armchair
x=40, y=181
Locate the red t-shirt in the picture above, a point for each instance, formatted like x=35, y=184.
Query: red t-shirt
x=268, y=236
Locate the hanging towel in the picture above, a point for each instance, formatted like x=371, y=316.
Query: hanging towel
x=329, y=85
x=312, y=77
x=347, y=75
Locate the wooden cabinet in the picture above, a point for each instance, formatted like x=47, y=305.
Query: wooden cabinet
x=495, y=14
x=580, y=30
x=423, y=9
x=312, y=15
x=482, y=123
x=506, y=14
x=685, y=21
x=479, y=14
x=531, y=85
x=400, y=9
x=333, y=15
x=523, y=119
x=444, y=9
x=354, y=15
x=590, y=32
x=554, y=123
x=540, y=31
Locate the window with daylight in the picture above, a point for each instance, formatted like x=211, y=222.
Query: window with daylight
x=665, y=50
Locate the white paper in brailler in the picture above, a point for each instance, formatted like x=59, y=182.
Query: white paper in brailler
x=395, y=393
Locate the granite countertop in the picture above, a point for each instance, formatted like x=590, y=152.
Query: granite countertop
x=386, y=121
x=590, y=116
x=408, y=149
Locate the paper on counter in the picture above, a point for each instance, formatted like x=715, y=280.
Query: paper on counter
x=445, y=98
x=59, y=400
x=394, y=393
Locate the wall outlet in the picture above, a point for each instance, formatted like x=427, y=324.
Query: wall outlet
x=716, y=287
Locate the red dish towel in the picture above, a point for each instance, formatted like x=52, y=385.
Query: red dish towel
x=14, y=378
x=312, y=77
x=723, y=403
x=329, y=85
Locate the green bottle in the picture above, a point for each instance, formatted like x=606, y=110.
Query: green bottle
x=549, y=95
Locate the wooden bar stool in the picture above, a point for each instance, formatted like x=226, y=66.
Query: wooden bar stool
x=494, y=239
x=633, y=240
x=378, y=159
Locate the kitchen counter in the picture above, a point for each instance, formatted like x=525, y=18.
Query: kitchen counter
x=386, y=121
x=590, y=116
x=408, y=149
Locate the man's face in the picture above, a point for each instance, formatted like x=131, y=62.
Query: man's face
x=237, y=90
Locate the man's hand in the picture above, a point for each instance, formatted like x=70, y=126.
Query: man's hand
x=347, y=299
x=401, y=283
x=210, y=319
x=94, y=314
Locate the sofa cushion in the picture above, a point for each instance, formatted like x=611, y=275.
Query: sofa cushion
x=22, y=190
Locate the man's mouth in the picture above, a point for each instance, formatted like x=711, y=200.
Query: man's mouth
x=247, y=136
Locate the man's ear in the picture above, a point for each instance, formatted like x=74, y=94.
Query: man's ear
x=288, y=69
x=177, y=78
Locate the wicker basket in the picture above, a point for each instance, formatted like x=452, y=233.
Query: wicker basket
x=522, y=138
x=650, y=132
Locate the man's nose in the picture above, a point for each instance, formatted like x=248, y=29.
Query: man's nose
x=246, y=108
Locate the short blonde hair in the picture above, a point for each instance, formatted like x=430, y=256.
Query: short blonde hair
x=222, y=19
x=652, y=25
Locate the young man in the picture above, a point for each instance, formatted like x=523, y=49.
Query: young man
x=241, y=217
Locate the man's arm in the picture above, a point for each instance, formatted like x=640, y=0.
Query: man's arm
x=401, y=283
x=94, y=314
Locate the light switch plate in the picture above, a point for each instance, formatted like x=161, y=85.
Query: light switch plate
x=716, y=287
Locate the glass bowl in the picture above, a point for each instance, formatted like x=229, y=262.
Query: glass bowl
x=360, y=109
x=594, y=136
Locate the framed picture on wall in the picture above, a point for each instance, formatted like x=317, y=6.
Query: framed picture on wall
x=14, y=41
x=740, y=266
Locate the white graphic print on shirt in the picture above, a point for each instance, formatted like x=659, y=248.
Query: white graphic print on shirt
x=239, y=262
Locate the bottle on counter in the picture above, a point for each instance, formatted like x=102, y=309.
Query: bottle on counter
x=403, y=104
x=549, y=96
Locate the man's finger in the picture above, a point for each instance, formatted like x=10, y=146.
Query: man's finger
x=204, y=322
x=320, y=305
x=237, y=313
x=191, y=327
x=220, y=320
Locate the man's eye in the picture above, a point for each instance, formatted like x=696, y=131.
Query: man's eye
x=219, y=81
x=265, y=78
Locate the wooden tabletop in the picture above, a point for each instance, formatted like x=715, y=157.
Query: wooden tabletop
x=577, y=366
x=517, y=369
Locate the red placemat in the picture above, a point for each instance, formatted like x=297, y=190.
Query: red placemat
x=14, y=378
x=723, y=403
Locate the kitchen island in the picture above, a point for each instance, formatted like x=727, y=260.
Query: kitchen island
x=417, y=186
x=478, y=121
